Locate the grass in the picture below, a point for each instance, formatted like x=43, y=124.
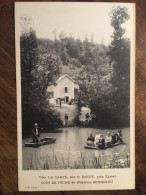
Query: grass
x=46, y=162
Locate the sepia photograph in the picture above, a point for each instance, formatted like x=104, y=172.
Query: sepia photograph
x=75, y=79
x=75, y=83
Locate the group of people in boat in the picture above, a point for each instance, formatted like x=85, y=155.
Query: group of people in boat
x=101, y=142
x=97, y=141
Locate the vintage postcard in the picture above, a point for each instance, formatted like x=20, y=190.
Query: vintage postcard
x=75, y=65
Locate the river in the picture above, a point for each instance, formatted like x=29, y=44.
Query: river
x=68, y=151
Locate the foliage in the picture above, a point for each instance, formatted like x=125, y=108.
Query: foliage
x=37, y=71
x=95, y=87
x=102, y=74
x=120, y=58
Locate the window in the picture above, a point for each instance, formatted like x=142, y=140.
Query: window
x=65, y=89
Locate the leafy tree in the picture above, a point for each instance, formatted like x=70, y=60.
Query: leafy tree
x=29, y=56
x=95, y=87
x=38, y=70
x=120, y=59
x=102, y=72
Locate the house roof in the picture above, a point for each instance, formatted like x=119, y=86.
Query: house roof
x=63, y=76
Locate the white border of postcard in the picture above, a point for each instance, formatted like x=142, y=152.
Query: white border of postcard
x=116, y=178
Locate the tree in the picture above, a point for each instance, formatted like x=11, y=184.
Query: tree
x=38, y=70
x=120, y=60
x=29, y=57
x=29, y=54
x=102, y=72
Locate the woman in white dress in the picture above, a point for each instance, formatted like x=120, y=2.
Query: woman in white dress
x=97, y=137
x=108, y=139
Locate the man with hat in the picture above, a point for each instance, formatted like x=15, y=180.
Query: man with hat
x=36, y=133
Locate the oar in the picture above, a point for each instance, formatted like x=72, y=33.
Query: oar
x=38, y=139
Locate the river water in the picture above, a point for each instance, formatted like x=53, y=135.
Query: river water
x=68, y=151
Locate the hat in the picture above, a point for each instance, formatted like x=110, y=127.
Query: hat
x=35, y=124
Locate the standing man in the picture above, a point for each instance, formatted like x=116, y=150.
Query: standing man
x=36, y=133
x=87, y=117
x=60, y=103
x=66, y=119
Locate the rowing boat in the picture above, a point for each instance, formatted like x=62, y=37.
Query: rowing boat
x=42, y=141
x=96, y=148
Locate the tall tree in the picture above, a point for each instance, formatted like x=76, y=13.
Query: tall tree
x=29, y=56
x=38, y=70
x=120, y=59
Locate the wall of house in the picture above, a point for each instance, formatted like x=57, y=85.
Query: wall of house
x=56, y=91
x=66, y=82
x=50, y=91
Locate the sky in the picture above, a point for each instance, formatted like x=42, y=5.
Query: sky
x=79, y=20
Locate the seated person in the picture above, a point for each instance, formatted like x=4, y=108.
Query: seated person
x=108, y=139
x=120, y=136
x=101, y=143
x=90, y=140
x=97, y=137
x=115, y=138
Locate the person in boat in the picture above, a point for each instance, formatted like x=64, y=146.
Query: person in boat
x=115, y=138
x=90, y=140
x=36, y=133
x=108, y=139
x=120, y=136
x=101, y=143
x=97, y=137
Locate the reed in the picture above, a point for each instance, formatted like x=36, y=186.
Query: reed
x=62, y=161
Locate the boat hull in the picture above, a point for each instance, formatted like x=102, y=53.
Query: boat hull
x=43, y=141
x=96, y=148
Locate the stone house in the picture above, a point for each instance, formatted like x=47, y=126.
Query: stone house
x=64, y=88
